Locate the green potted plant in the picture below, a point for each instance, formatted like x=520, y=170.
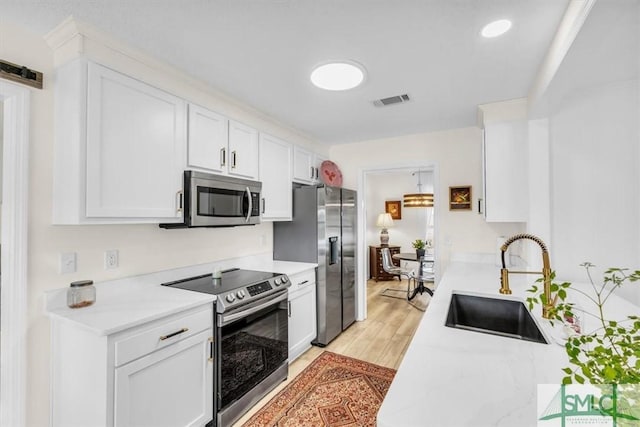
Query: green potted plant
x=609, y=353
x=419, y=246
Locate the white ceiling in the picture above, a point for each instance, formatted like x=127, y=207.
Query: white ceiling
x=262, y=52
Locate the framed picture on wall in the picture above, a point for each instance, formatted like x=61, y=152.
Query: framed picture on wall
x=394, y=208
x=460, y=198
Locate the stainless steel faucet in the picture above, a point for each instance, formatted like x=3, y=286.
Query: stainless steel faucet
x=546, y=272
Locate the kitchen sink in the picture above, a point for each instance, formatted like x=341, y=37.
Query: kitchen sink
x=497, y=316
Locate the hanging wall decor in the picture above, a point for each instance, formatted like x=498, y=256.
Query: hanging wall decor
x=394, y=208
x=460, y=198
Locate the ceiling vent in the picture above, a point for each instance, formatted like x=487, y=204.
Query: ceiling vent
x=398, y=99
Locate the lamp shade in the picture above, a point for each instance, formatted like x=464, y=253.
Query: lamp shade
x=384, y=220
x=418, y=200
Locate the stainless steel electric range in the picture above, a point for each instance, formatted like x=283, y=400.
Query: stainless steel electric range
x=251, y=337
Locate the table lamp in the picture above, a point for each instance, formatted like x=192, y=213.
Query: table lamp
x=384, y=221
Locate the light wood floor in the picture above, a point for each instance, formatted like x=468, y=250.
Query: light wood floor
x=381, y=339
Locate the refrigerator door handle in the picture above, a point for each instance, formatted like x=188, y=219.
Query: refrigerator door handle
x=333, y=250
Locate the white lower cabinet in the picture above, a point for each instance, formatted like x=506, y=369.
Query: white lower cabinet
x=302, y=313
x=156, y=374
x=170, y=387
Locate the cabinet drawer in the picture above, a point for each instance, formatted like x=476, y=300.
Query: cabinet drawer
x=162, y=333
x=303, y=279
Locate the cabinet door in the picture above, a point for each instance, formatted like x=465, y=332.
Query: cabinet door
x=302, y=320
x=135, y=148
x=243, y=150
x=208, y=139
x=505, y=172
x=317, y=162
x=171, y=387
x=275, y=174
x=303, y=167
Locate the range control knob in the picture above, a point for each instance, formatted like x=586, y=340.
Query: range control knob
x=285, y=279
x=240, y=294
x=231, y=298
x=277, y=281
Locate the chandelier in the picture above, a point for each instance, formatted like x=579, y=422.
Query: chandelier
x=419, y=199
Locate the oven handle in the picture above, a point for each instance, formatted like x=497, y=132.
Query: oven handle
x=225, y=319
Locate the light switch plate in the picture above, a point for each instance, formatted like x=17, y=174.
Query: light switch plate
x=68, y=263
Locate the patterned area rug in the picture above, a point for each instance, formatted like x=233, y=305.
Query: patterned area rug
x=333, y=391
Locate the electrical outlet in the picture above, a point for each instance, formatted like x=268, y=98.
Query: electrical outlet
x=68, y=263
x=111, y=259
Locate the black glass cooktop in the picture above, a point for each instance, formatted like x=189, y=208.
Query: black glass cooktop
x=231, y=279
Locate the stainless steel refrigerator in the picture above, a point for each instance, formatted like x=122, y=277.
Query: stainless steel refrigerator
x=323, y=231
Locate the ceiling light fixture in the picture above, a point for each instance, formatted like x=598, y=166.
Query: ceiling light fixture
x=419, y=199
x=496, y=28
x=341, y=75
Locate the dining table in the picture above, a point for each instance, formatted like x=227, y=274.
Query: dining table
x=424, y=261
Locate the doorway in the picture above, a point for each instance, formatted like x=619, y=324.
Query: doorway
x=13, y=253
x=377, y=186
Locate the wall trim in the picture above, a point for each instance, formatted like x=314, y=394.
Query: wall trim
x=15, y=187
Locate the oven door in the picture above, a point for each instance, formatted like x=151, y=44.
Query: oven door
x=253, y=355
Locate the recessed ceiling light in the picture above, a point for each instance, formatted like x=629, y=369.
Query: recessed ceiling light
x=340, y=75
x=496, y=28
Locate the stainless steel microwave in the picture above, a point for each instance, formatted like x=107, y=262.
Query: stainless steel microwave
x=218, y=201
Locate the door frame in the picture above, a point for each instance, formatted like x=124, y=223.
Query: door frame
x=361, y=288
x=13, y=253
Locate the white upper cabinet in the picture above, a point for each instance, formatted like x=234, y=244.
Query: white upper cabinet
x=306, y=166
x=243, y=150
x=317, y=162
x=222, y=146
x=120, y=148
x=275, y=174
x=208, y=140
x=303, y=166
x=505, y=172
x=504, y=161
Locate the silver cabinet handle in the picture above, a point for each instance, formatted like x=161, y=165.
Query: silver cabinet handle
x=223, y=156
x=302, y=283
x=179, y=197
x=173, y=334
x=210, y=340
x=289, y=308
x=264, y=203
x=234, y=156
x=312, y=172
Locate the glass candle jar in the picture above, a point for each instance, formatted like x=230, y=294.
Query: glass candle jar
x=81, y=294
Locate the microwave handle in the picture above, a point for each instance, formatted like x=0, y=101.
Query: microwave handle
x=250, y=205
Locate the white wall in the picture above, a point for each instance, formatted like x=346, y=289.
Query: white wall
x=594, y=165
x=457, y=157
x=594, y=139
x=143, y=248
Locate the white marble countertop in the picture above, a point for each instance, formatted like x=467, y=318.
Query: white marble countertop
x=452, y=377
x=132, y=301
